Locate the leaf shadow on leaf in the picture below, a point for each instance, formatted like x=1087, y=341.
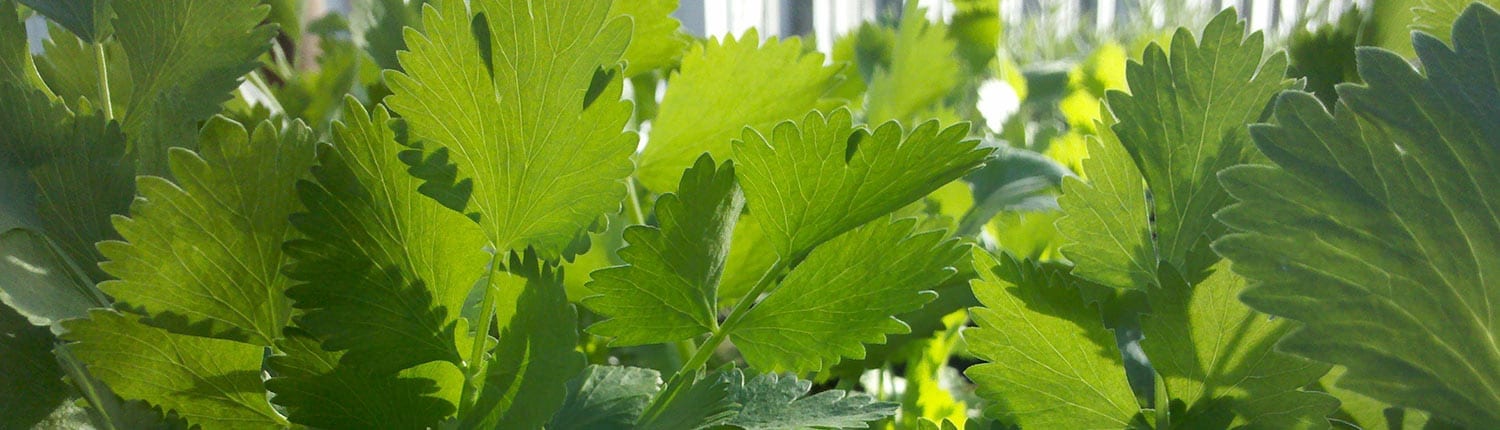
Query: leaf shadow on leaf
x=179, y=323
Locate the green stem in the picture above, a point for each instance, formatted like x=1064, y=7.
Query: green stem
x=103, y=70
x=635, y=201
x=474, y=366
x=735, y=316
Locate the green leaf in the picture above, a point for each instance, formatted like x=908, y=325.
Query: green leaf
x=185, y=56
x=384, y=270
x=1384, y=211
x=777, y=402
x=606, y=398
x=29, y=371
x=383, y=40
x=922, y=71
x=1216, y=356
x=89, y=19
x=212, y=383
x=723, y=87
x=690, y=403
x=1106, y=221
x=317, y=390
x=69, y=67
x=525, y=379
x=541, y=159
x=85, y=181
x=840, y=298
x=803, y=195
x=655, y=42
x=1183, y=121
x=750, y=257
x=669, y=290
x=206, y=252
x=1052, y=363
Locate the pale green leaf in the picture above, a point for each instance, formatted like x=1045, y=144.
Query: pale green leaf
x=541, y=156
x=89, y=19
x=317, y=390
x=669, y=289
x=781, y=402
x=1216, y=357
x=1376, y=227
x=206, y=252
x=812, y=180
x=384, y=270
x=655, y=42
x=212, y=383
x=1368, y=413
x=185, y=56
x=840, y=298
x=921, y=72
x=606, y=398
x=525, y=379
x=723, y=87
x=1052, y=363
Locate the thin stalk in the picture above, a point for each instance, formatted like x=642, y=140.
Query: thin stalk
x=103, y=70
x=635, y=201
x=735, y=316
x=474, y=366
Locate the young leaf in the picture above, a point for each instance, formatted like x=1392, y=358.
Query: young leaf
x=1376, y=227
x=89, y=19
x=206, y=253
x=541, y=158
x=1216, y=357
x=527, y=375
x=812, y=180
x=318, y=390
x=212, y=383
x=773, y=401
x=655, y=42
x=922, y=70
x=743, y=83
x=384, y=269
x=840, y=298
x=1183, y=121
x=668, y=292
x=606, y=398
x=1052, y=363
x=185, y=56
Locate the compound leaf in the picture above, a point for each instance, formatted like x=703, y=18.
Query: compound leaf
x=743, y=83
x=1051, y=361
x=384, y=269
x=1376, y=227
x=542, y=154
x=668, y=291
x=204, y=255
x=213, y=383
x=840, y=298
x=812, y=180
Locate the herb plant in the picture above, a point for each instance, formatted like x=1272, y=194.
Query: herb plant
x=477, y=214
